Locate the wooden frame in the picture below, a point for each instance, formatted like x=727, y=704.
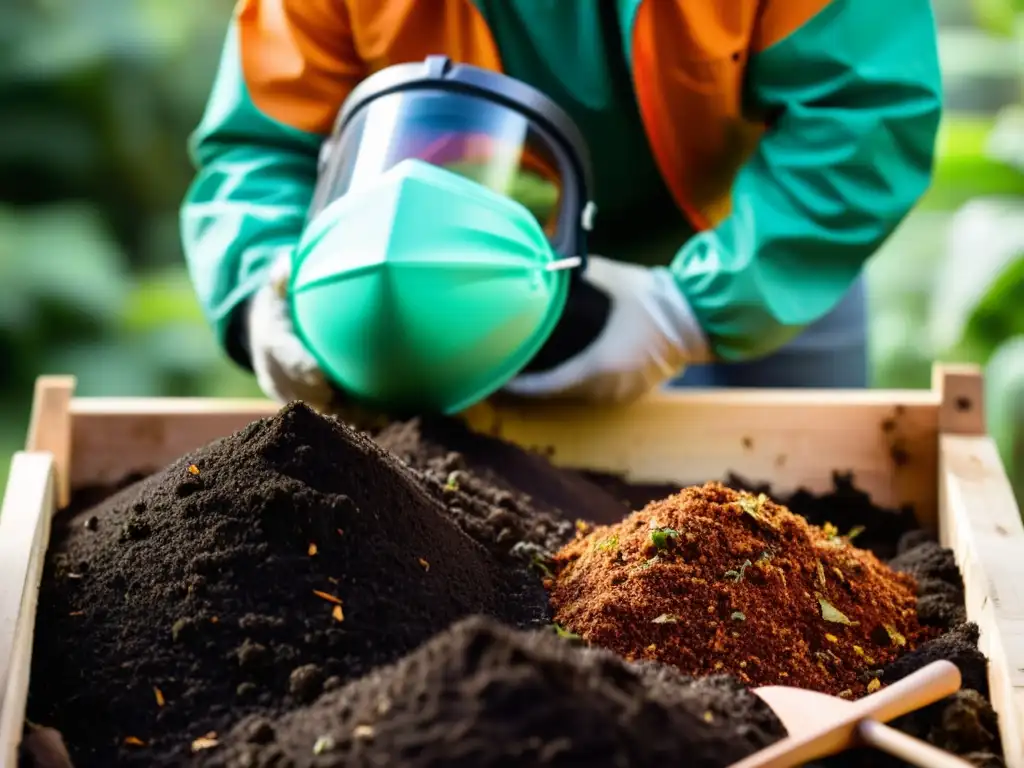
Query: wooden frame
x=923, y=448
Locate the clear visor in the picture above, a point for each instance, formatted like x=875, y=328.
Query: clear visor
x=475, y=138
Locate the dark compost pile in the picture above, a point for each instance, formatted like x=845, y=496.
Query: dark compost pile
x=296, y=595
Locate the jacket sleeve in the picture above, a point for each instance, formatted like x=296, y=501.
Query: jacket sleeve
x=853, y=97
x=285, y=69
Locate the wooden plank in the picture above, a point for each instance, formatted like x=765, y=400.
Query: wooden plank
x=113, y=437
x=50, y=427
x=28, y=505
x=790, y=438
x=961, y=391
x=981, y=523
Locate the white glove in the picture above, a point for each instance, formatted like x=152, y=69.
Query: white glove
x=285, y=370
x=650, y=335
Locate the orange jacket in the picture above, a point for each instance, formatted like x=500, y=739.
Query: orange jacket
x=850, y=88
x=301, y=59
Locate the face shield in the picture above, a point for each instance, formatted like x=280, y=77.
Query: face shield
x=477, y=124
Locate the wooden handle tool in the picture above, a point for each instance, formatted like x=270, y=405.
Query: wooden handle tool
x=821, y=725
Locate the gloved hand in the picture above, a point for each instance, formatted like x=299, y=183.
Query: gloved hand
x=284, y=368
x=640, y=332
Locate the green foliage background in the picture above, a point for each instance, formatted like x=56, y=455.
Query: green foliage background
x=97, y=98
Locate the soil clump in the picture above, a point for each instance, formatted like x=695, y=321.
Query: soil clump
x=243, y=577
x=482, y=696
x=514, y=502
x=712, y=580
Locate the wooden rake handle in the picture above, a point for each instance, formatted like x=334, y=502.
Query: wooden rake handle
x=918, y=689
x=914, y=751
x=931, y=683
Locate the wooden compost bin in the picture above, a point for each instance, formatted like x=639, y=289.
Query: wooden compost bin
x=927, y=448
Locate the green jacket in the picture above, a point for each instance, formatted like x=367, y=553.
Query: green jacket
x=762, y=148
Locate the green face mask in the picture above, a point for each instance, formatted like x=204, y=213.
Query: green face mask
x=426, y=291
x=444, y=230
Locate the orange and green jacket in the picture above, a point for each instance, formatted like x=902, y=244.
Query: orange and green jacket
x=783, y=140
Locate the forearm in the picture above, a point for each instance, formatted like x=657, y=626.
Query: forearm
x=256, y=150
x=245, y=207
x=849, y=155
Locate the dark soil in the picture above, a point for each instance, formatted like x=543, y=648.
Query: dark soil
x=199, y=583
x=483, y=696
x=499, y=494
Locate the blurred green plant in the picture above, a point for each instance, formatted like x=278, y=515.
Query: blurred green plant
x=98, y=98
x=72, y=306
x=949, y=285
x=997, y=17
x=977, y=314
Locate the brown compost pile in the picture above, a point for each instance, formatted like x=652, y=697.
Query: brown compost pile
x=712, y=580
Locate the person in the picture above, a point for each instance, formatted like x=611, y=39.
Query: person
x=748, y=158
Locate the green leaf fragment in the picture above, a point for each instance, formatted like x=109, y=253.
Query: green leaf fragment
x=608, y=544
x=739, y=616
x=738, y=575
x=323, y=744
x=562, y=632
x=753, y=506
x=830, y=613
x=856, y=531
x=648, y=563
x=452, y=483
x=666, y=618
x=538, y=563
x=895, y=636
x=660, y=537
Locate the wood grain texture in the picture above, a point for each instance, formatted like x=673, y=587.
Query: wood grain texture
x=50, y=427
x=980, y=521
x=887, y=439
x=791, y=439
x=28, y=506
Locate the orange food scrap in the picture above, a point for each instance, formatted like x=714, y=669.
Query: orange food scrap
x=160, y=701
x=425, y=564
x=205, y=742
x=76, y=613
x=338, y=614
x=134, y=742
x=193, y=469
x=312, y=549
x=326, y=596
